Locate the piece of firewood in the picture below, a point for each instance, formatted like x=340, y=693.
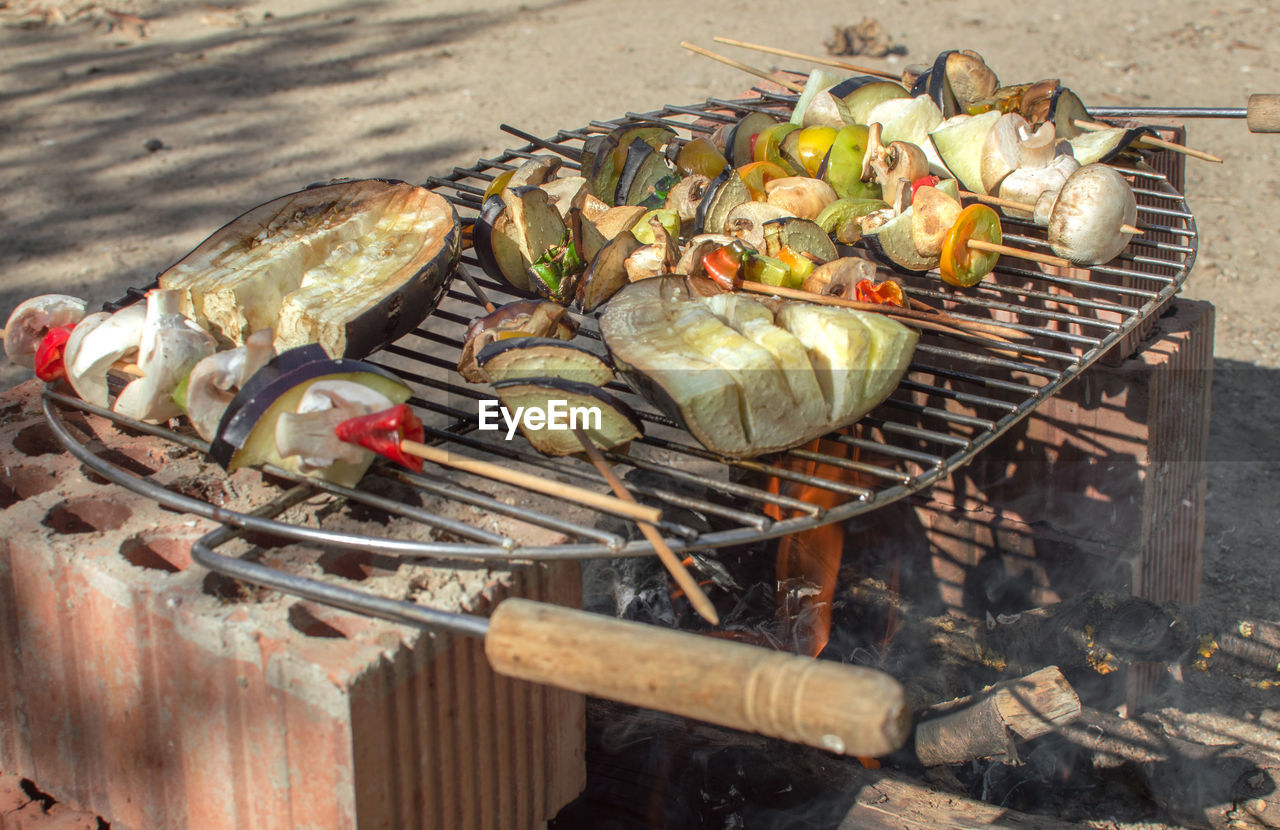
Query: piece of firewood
x=991, y=723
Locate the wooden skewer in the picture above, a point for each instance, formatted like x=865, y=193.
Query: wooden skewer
x=927, y=319
x=786, y=53
x=1046, y=259
x=697, y=597
x=1094, y=126
x=759, y=73
x=1029, y=208
x=548, y=487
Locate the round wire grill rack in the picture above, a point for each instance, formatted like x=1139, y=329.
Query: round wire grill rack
x=959, y=395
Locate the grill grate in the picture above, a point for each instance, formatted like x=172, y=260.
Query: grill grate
x=959, y=395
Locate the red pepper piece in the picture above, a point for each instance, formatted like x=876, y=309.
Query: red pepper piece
x=382, y=432
x=48, y=359
x=924, y=181
x=885, y=293
x=723, y=265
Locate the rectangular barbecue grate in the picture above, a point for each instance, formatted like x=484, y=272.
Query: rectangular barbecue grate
x=959, y=395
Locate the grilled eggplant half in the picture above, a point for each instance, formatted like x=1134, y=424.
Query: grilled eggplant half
x=746, y=377
x=351, y=266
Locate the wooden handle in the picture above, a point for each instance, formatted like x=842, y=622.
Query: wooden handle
x=750, y=70
x=548, y=487
x=1263, y=114
x=831, y=706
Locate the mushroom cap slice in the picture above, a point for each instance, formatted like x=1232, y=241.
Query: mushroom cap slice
x=31, y=321
x=800, y=195
x=308, y=431
x=169, y=347
x=217, y=377
x=933, y=213
x=89, y=355
x=1084, y=226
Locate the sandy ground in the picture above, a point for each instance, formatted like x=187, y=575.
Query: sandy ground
x=249, y=101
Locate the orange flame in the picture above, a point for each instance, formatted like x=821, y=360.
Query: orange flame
x=810, y=558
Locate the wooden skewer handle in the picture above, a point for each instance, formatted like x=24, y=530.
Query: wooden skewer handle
x=840, y=708
x=581, y=495
x=1031, y=256
x=1263, y=114
x=750, y=70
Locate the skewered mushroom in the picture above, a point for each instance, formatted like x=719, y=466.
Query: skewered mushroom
x=32, y=320
x=1087, y=215
x=894, y=167
x=170, y=345
x=214, y=381
x=97, y=342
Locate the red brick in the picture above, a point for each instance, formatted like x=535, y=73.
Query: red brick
x=132, y=691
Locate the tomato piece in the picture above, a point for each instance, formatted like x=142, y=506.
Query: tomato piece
x=48, y=358
x=964, y=266
x=755, y=174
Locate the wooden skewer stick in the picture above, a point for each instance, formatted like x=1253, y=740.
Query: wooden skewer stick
x=1094, y=126
x=486, y=469
x=1046, y=259
x=759, y=73
x=926, y=319
x=786, y=53
x=697, y=597
x=1029, y=208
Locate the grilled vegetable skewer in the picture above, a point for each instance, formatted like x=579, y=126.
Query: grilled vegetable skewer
x=390, y=433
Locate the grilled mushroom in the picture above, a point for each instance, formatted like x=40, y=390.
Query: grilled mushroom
x=95, y=344
x=1012, y=145
x=1085, y=221
x=31, y=321
x=169, y=346
x=214, y=381
x=800, y=195
x=1027, y=184
x=840, y=277
x=309, y=431
x=895, y=167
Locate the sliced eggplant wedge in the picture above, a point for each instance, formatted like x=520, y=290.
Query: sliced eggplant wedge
x=725, y=192
x=892, y=244
x=607, y=273
x=557, y=405
x=494, y=239
x=541, y=233
x=643, y=171
x=543, y=357
x=352, y=266
x=246, y=435
x=803, y=237
x=840, y=219
x=935, y=84
x=524, y=318
x=610, y=156
x=819, y=80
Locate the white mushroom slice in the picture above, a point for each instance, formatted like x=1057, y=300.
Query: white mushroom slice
x=309, y=432
x=1013, y=145
x=1084, y=226
x=933, y=213
x=214, y=381
x=88, y=356
x=800, y=195
x=31, y=321
x=1027, y=184
x=169, y=347
x=894, y=167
